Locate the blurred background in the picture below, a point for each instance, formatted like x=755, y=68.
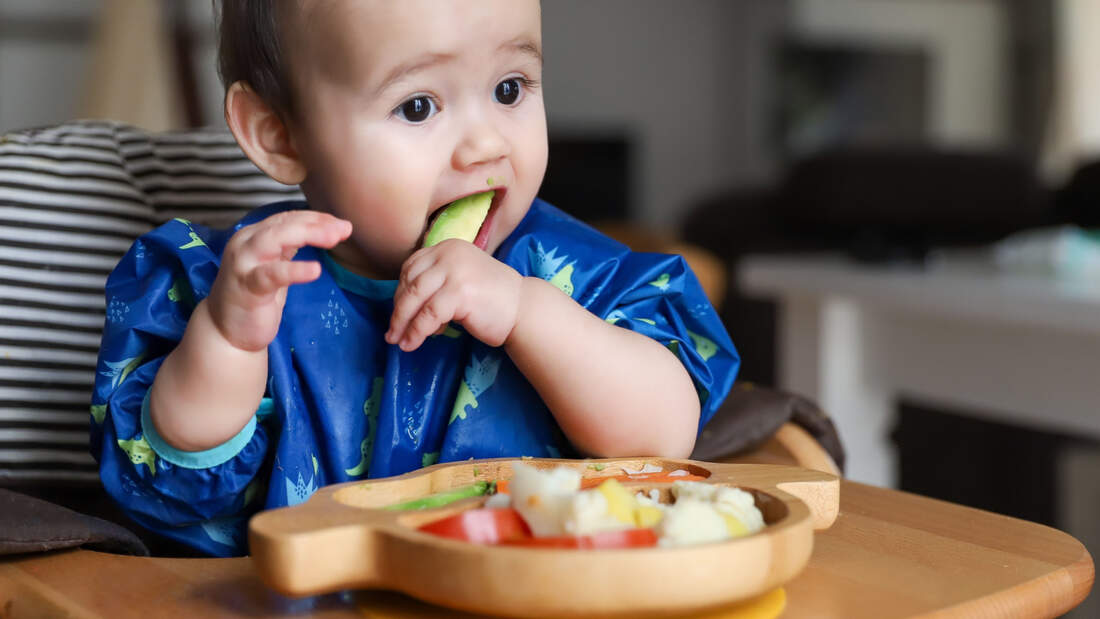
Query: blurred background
x=891, y=140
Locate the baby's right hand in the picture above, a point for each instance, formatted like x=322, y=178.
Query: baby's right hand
x=246, y=300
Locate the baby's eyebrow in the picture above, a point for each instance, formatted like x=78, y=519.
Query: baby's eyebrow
x=417, y=64
x=526, y=47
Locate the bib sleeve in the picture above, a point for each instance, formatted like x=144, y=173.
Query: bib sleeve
x=200, y=498
x=658, y=296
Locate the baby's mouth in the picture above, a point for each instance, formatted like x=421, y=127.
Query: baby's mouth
x=462, y=219
x=482, y=239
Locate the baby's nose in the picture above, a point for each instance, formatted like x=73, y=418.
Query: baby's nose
x=483, y=143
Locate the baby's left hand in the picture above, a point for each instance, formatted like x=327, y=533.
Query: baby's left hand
x=454, y=281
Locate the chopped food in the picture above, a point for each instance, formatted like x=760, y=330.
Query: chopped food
x=730, y=501
x=606, y=540
x=543, y=498
x=443, y=498
x=692, y=522
x=481, y=526
x=506, y=526
x=554, y=509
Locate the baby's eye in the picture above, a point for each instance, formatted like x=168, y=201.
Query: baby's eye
x=508, y=91
x=417, y=110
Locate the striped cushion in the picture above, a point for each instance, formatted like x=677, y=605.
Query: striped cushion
x=72, y=200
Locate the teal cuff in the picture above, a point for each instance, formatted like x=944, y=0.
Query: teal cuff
x=200, y=459
x=377, y=289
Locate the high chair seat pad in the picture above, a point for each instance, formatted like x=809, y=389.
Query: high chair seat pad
x=752, y=414
x=31, y=525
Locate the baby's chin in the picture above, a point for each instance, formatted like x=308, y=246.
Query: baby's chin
x=352, y=257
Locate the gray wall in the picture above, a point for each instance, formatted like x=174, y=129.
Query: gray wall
x=43, y=47
x=685, y=79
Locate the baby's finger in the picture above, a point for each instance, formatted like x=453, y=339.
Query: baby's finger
x=270, y=277
x=409, y=298
x=415, y=265
x=436, y=313
x=298, y=229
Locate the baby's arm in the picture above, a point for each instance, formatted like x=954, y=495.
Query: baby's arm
x=613, y=391
x=211, y=384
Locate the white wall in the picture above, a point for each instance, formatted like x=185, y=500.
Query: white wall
x=967, y=42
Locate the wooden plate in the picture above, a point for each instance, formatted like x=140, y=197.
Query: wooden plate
x=339, y=539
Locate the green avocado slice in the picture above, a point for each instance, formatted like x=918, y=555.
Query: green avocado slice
x=461, y=219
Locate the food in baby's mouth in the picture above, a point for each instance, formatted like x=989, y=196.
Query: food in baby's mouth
x=460, y=219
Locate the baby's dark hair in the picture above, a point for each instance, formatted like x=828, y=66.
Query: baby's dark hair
x=250, y=49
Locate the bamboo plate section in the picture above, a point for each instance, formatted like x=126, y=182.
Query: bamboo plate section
x=340, y=539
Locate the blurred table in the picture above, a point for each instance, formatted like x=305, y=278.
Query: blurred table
x=1023, y=349
x=889, y=554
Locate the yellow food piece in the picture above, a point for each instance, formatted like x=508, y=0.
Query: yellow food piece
x=624, y=507
x=647, y=516
x=620, y=502
x=735, y=526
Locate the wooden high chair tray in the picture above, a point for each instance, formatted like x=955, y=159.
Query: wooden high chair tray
x=341, y=539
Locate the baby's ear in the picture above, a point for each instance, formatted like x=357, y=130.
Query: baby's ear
x=262, y=135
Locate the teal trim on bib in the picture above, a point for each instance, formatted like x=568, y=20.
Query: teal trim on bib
x=200, y=459
x=377, y=289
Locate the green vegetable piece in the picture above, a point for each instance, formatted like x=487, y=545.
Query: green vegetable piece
x=442, y=498
x=461, y=219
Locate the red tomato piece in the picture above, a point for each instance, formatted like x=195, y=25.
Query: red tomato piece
x=627, y=538
x=481, y=526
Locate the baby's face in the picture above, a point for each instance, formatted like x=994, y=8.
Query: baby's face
x=407, y=106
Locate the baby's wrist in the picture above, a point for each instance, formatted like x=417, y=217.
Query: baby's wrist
x=204, y=333
x=530, y=300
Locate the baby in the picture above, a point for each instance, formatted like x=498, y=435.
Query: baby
x=318, y=342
